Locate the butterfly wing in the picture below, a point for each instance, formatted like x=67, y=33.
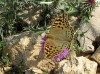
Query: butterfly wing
x=61, y=29
x=54, y=47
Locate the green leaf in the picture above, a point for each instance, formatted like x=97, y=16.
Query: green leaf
x=2, y=44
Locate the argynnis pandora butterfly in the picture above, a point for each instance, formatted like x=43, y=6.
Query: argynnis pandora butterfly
x=59, y=38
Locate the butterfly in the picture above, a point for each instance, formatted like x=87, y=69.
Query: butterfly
x=60, y=36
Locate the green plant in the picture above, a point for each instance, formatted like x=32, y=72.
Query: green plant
x=5, y=59
x=9, y=14
x=2, y=44
x=45, y=73
x=15, y=70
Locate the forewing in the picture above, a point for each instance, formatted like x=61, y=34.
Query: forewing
x=60, y=28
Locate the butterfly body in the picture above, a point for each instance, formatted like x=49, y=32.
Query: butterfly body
x=60, y=36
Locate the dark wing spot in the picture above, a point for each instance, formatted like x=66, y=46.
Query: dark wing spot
x=60, y=27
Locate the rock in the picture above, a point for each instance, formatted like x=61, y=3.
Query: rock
x=25, y=48
x=7, y=69
x=77, y=65
x=96, y=55
x=1, y=68
x=46, y=65
x=96, y=43
x=92, y=30
x=87, y=40
x=1, y=71
x=33, y=71
x=31, y=15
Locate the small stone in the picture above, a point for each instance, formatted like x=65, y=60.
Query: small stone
x=33, y=70
x=96, y=55
x=1, y=71
x=77, y=65
x=46, y=65
x=7, y=69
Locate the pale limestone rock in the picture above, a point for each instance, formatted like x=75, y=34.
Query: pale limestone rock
x=96, y=55
x=1, y=71
x=93, y=30
x=88, y=38
x=77, y=65
x=6, y=69
x=24, y=47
